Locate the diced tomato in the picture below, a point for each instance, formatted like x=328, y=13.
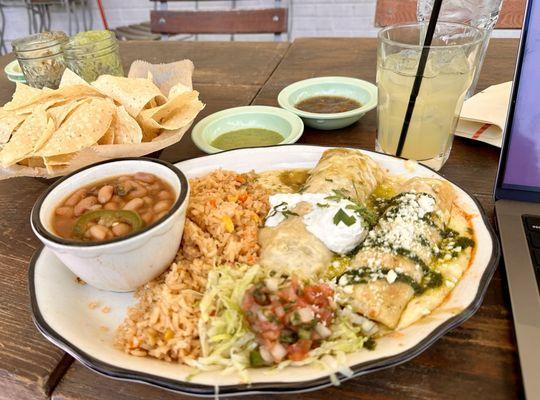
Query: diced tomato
x=325, y=315
x=278, y=318
x=298, y=351
x=242, y=197
x=288, y=294
x=247, y=301
x=271, y=335
x=318, y=294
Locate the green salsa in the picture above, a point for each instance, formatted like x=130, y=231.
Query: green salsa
x=248, y=137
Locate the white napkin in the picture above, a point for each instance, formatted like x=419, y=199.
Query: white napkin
x=483, y=115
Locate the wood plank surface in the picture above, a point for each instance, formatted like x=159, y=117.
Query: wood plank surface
x=267, y=20
x=390, y=12
x=477, y=360
x=223, y=63
x=227, y=75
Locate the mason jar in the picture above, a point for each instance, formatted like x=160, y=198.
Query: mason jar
x=93, y=53
x=41, y=58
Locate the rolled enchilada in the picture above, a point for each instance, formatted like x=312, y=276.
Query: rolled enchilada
x=394, y=262
x=289, y=247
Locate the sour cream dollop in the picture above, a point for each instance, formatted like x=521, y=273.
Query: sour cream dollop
x=334, y=222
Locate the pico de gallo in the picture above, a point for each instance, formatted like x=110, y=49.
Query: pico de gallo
x=288, y=321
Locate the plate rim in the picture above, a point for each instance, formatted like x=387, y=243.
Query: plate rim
x=201, y=390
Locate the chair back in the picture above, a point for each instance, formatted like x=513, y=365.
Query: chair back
x=267, y=20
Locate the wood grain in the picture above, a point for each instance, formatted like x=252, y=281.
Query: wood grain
x=476, y=360
x=268, y=20
x=390, y=12
x=30, y=367
x=223, y=63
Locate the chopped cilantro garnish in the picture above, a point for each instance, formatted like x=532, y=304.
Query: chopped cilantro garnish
x=367, y=215
x=323, y=205
x=342, y=216
x=281, y=208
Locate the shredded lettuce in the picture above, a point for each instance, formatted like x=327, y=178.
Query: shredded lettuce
x=226, y=339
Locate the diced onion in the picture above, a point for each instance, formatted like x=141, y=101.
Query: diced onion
x=322, y=330
x=306, y=314
x=278, y=352
x=271, y=284
x=265, y=354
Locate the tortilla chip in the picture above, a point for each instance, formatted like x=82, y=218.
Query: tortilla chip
x=53, y=97
x=31, y=134
x=33, y=162
x=133, y=94
x=8, y=124
x=53, y=163
x=82, y=128
x=70, y=78
x=178, y=89
x=61, y=111
x=23, y=95
x=175, y=113
x=47, y=134
x=126, y=129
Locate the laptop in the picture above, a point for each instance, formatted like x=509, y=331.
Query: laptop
x=517, y=200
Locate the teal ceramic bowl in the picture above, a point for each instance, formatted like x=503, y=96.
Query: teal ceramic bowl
x=14, y=73
x=275, y=119
x=356, y=89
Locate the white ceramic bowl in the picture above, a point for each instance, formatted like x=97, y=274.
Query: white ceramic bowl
x=125, y=263
x=285, y=123
x=356, y=89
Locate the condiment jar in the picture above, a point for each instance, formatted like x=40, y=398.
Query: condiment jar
x=93, y=53
x=41, y=58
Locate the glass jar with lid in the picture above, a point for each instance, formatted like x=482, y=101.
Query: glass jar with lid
x=41, y=58
x=93, y=53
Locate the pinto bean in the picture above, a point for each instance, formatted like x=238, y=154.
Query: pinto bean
x=147, y=217
x=148, y=202
x=75, y=197
x=136, y=189
x=164, y=195
x=121, y=229
x=84, y=205
x=161, y=215
x=105, y=194
x=111, y=205
x=64, y=211
x=98, y=232
x=143, y=176
x=133, y=204
x=162, y=205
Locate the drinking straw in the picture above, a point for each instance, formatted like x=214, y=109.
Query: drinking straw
x=419, y=74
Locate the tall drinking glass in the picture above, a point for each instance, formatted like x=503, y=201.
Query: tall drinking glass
x=450, y=67
x=481, y=14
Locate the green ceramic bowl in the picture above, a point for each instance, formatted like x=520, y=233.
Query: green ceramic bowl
x=356, y=89
x=14, y=73
x=275, y=119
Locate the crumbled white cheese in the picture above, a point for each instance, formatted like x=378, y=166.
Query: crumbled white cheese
x=348, y=289
x=391, y=276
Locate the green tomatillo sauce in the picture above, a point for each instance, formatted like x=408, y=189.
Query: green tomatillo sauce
x=248, y=137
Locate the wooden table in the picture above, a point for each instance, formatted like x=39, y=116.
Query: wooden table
x=476, y=360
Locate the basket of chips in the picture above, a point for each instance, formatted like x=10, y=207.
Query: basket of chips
x=48, y=133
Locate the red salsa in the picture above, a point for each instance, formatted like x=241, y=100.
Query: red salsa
x=288, y=321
